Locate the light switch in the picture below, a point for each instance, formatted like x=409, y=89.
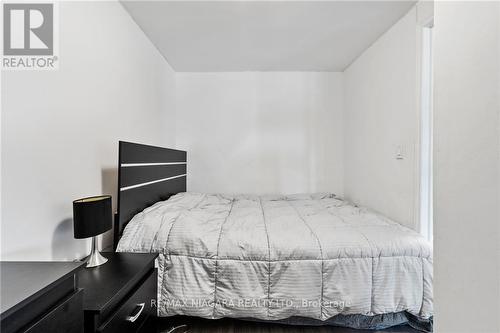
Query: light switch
x=399, y=152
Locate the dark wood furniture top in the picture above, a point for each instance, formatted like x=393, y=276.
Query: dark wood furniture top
x=23, y=281
x=115, y=291
x=38, y=295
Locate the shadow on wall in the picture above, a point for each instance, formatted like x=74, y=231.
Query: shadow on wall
x=64, y=245
x=109, y=183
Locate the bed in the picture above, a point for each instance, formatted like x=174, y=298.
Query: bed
x=300, y=259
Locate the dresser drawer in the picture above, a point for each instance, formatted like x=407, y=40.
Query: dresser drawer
x=66, y=317
x=140, y=303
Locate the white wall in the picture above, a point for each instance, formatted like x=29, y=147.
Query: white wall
x=381, y=114
x=256, y=132
x=60, y=129
x=467, y=167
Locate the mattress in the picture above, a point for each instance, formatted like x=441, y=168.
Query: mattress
x=275, y=257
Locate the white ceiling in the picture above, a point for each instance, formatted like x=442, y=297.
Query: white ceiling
x=225, y=36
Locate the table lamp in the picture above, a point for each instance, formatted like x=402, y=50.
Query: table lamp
x=91, y=217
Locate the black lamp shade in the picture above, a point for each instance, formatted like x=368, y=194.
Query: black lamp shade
x=92, y=216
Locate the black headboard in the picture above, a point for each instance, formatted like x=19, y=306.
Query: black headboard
x=146, y=175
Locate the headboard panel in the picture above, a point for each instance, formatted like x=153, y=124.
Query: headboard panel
x=146, y=175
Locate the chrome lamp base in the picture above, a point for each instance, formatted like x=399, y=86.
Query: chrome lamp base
x=95, y=259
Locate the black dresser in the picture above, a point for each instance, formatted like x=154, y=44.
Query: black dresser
x=40, y=297
x=121, y=295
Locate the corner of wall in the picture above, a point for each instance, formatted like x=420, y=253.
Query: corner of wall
x=170, y=112
x=380, y=111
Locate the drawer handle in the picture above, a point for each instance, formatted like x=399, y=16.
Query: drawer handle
x=137, y=312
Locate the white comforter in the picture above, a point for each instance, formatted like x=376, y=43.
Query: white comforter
x=274, y=257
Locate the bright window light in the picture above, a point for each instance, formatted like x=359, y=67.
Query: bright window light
x=426, y=214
